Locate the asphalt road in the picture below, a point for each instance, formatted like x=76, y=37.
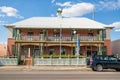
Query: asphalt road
x=58, y=75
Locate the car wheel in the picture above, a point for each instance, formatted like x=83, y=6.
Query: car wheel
x=99, y=67
x=117, y=69
x=93, y=69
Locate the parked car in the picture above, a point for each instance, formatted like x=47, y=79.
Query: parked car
x=100, y=62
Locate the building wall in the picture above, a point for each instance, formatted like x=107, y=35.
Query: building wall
x=84, y=32
x=10, y=32
x=11, y=42
x=68, y=50
x=50, y=32
x=3, y=50
x=57, y=50
x=24, y=31
x=107, y=43
x=68, y=32
x=35, y=31
x=116, y=47
x=65, y=32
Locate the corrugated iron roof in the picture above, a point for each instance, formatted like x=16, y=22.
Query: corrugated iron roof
x=55, y=22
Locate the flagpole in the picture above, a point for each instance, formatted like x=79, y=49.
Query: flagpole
x=59, y=11
x=78, y=45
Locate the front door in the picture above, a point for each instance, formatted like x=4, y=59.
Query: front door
x=26, y=55
x=28, y=58
x=88, y=53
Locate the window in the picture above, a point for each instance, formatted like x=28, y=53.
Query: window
x=63, y=50
x=56, y=33
x=36, y=52
x=30, y=30
x=101, y=58
x=112, y=58
x=14, y=32
x=106, y=58
x=26, y=51
x=13, y=50
x=51, y=50
x=30, y=34
x=104, y=51
x=88, y=47
x=104, y=34
x=90, y=34
x=43, y=31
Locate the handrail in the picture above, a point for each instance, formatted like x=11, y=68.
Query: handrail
x=63, y=38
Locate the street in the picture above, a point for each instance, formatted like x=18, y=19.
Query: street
x=58, y=75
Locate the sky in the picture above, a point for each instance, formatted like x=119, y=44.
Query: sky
x=104, y=11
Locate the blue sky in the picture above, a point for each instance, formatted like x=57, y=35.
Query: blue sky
x=105, y=11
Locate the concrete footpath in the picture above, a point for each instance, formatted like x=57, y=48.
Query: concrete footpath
x=45, y=68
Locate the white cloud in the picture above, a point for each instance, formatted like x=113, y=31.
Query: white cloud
x=108, y=5
x=64, y=4
x=2, y=15
x=116, y=25
x=78, y=9
x=5, y=43
x=117, y=30
x=71, y=9
x=52, y=1
x=52, y=15
x=10, y=11
x=2, y=22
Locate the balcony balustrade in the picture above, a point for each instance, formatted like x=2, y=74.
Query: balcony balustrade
x=63, y=38
x=82, y=38
x=30, y=38
x=89, y=38
x=58, y=38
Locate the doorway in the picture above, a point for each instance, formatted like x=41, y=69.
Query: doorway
x=25, y=57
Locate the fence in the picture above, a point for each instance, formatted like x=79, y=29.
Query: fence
x=57, y=61
x=8, y=61
x=46, y=61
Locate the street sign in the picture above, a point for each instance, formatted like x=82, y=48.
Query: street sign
x=78, y=42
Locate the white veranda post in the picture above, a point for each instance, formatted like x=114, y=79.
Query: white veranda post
x=28, y=52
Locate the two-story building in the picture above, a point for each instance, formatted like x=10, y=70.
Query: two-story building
x=38, y=36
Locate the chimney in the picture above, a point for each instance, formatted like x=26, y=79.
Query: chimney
x=59, y=12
